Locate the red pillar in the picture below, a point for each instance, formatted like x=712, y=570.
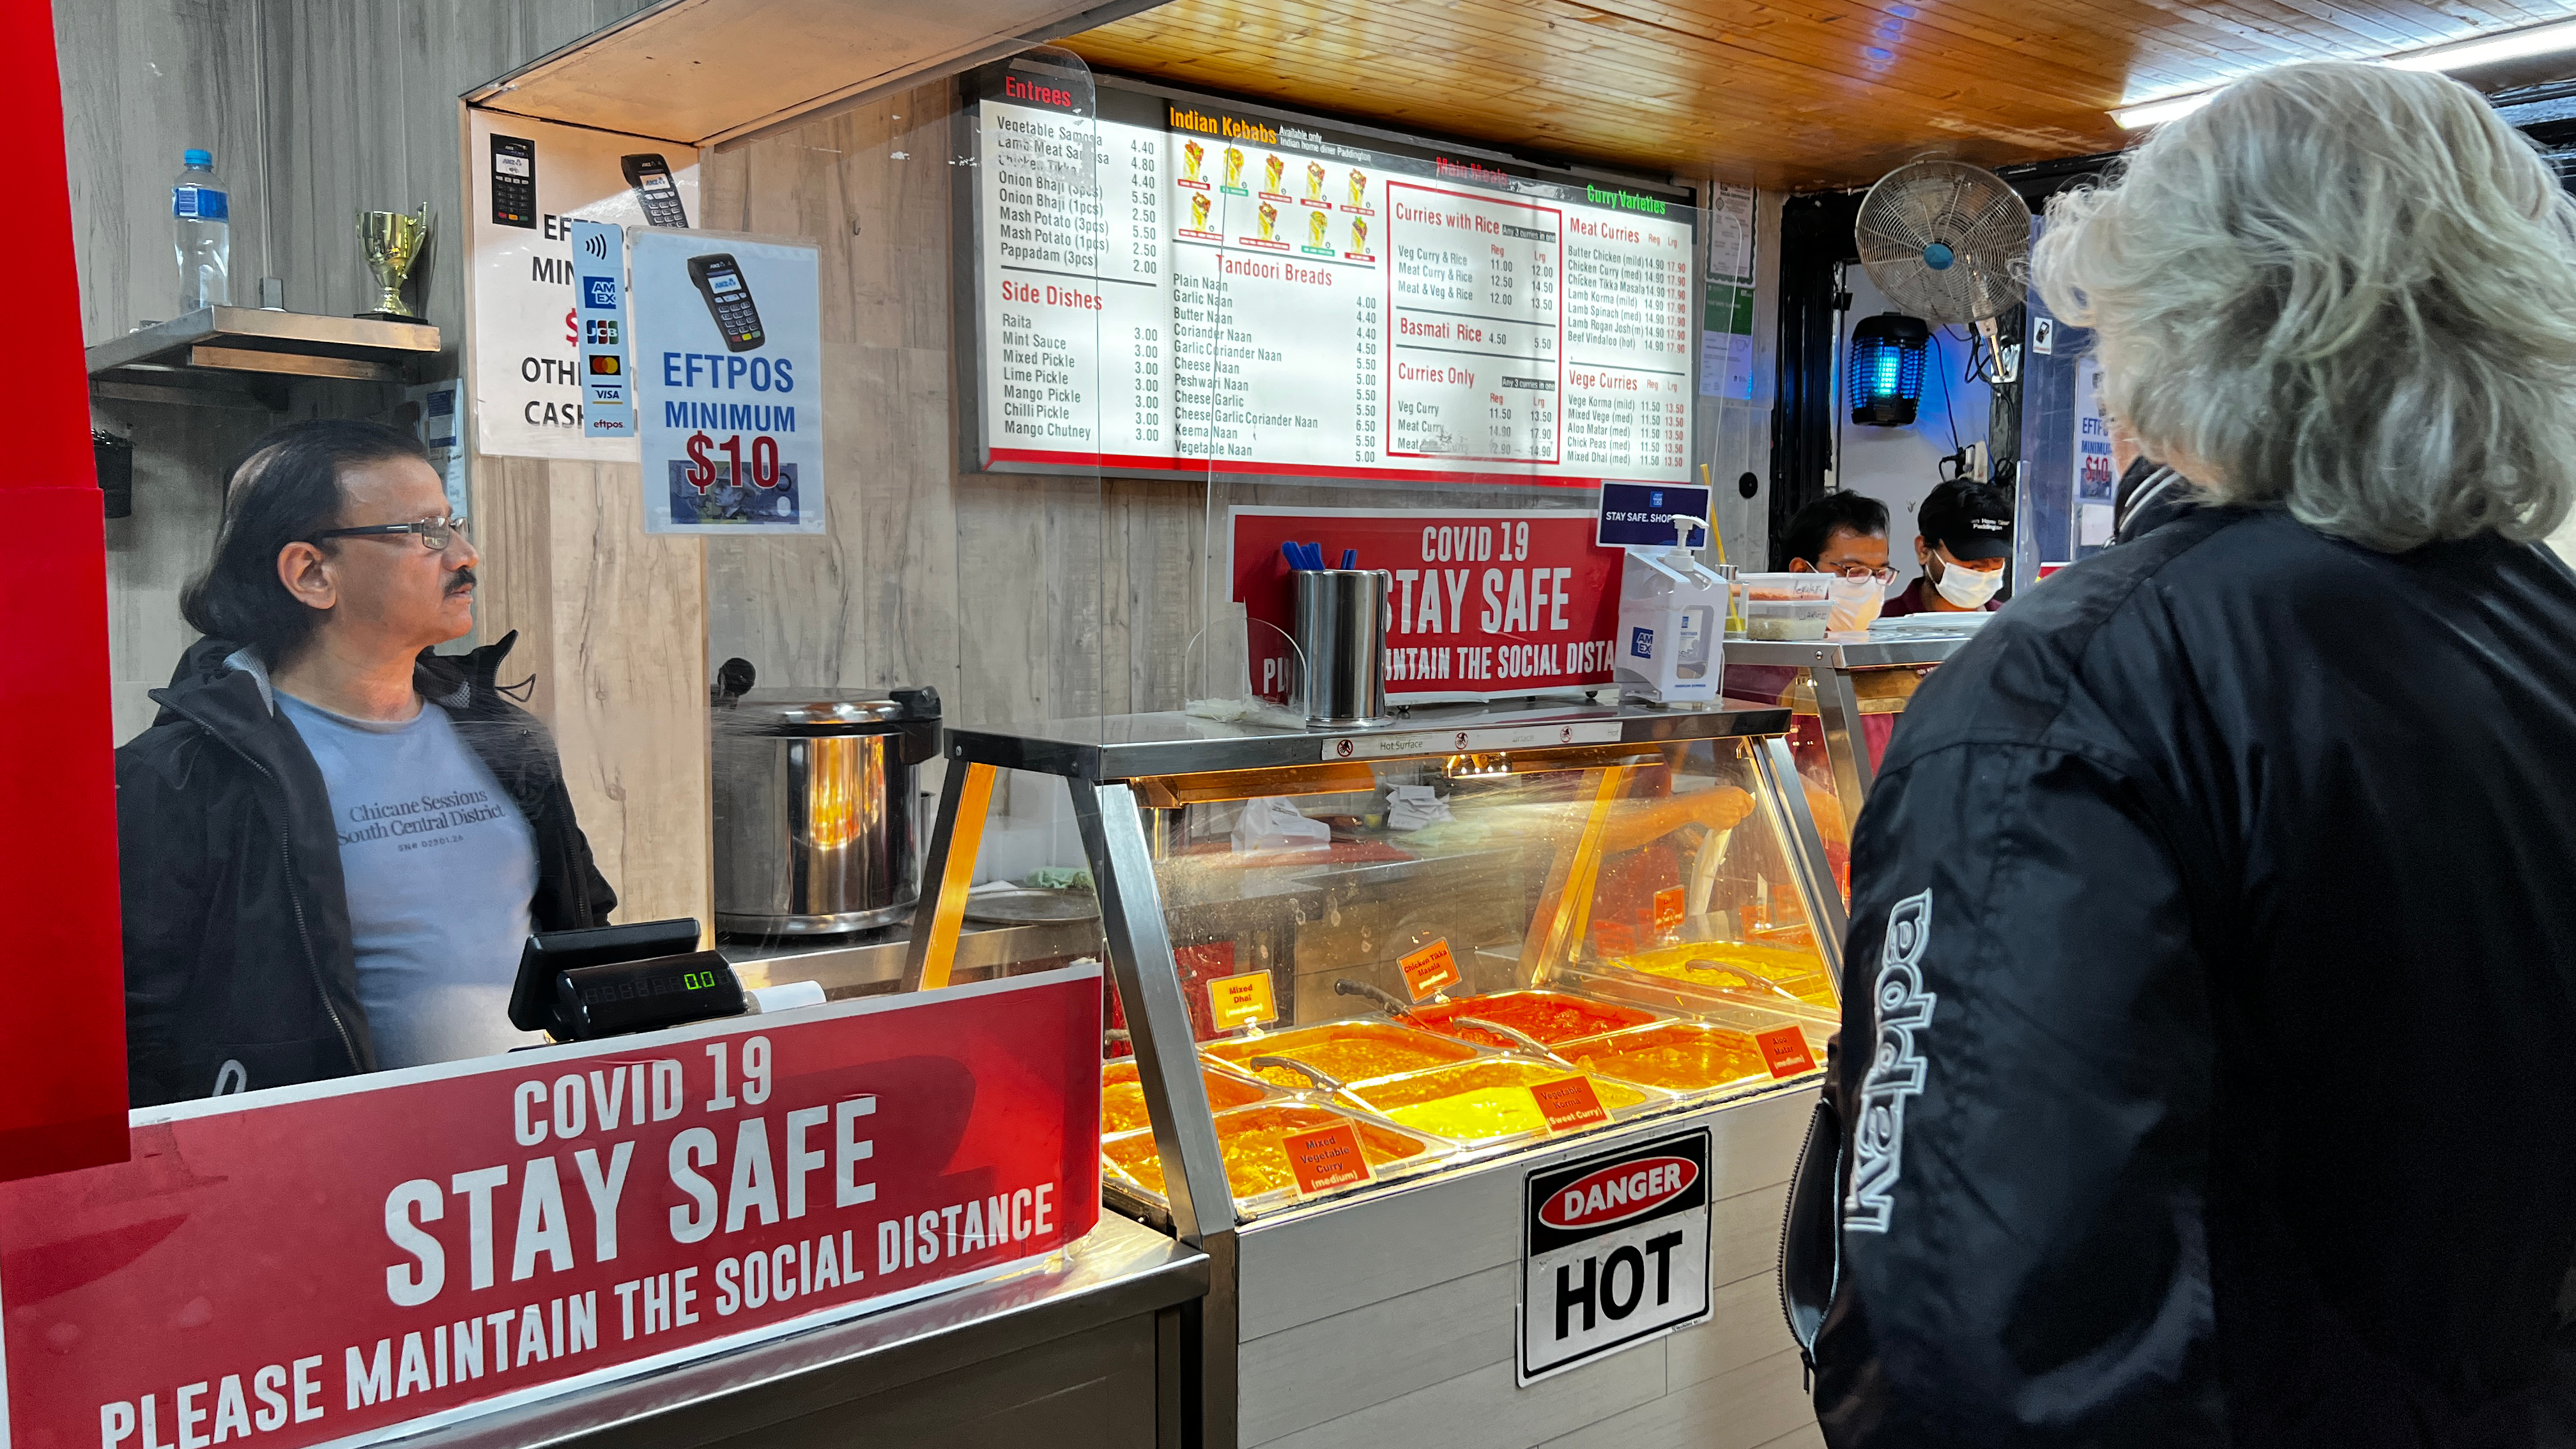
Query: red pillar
x=62, y=1005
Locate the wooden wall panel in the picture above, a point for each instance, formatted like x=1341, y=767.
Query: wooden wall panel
x=144, y=80
x=629, y=707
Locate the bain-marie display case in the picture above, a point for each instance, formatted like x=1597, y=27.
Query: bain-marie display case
x=1368, y=983
x=1844, y=693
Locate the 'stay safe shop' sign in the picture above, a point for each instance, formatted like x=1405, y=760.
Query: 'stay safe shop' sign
x=346, y=1261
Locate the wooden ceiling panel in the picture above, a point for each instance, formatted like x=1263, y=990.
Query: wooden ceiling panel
x=1795, y=93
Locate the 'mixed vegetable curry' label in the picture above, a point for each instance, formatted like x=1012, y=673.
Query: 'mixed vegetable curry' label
x=1327, y=1158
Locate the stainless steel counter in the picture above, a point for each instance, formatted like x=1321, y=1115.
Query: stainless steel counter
x=1080, y=1349
x=874, y=963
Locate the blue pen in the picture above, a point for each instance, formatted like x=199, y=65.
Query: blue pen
x=1350, y=558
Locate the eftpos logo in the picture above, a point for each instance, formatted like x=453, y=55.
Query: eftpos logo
x=599, y=293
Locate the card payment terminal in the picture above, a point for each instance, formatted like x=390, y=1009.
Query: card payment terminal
x=720, y=281
x=650, y=176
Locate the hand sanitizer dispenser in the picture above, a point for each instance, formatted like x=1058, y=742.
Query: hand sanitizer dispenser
x=1672, y=623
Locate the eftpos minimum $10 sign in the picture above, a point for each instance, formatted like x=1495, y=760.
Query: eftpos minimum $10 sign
x=728, y=361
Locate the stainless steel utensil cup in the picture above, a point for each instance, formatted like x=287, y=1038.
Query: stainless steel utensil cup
x=1341, y=629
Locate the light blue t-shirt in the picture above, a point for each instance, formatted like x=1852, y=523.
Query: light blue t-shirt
x=440, y=868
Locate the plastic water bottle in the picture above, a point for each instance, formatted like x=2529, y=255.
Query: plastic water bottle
x=201, y=217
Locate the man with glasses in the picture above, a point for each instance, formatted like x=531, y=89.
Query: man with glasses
x=335, y=842
x=1842, y=533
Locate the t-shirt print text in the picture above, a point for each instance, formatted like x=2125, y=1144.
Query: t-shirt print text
x=426, y=815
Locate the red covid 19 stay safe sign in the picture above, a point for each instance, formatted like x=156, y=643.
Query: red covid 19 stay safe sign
x=338, y=1262
x=1481, y=603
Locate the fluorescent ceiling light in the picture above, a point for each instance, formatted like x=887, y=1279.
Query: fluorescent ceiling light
x=2459, y=55
x=2512, y=45
x=2156, y=113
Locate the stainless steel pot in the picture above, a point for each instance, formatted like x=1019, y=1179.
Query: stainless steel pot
x=814, y=808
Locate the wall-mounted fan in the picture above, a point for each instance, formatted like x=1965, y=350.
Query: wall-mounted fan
x=1950, y=243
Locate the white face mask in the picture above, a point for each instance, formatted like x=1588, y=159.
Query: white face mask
x=1966, y=588
x=1856, y=604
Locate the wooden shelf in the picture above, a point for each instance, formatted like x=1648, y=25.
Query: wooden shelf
x=206, y=346
x=710, y=72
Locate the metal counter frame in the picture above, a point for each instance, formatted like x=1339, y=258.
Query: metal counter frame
x=1830, y=665
x=1101, y=758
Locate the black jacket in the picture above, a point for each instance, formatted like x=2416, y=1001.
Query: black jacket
x=239, y=972
x=2210, y=1030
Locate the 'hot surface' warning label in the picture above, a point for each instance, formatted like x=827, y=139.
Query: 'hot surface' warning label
x=1614, y=1252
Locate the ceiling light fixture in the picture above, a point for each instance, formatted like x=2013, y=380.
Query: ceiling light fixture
x=2521, y=44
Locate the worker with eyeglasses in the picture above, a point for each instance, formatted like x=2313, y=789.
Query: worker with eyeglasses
x=334, y=842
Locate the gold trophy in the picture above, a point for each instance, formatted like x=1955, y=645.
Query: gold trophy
x=393, y=243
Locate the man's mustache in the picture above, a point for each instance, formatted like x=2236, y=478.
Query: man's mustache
x=464, y=580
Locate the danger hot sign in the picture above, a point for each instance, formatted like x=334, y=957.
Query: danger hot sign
x=1615, y=1252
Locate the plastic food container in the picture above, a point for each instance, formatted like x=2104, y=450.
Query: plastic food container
x=1679, y=1056
x=1480, y=1101
x=1256, y=1164
x=1786, y=606
x=1350, y=1051
x=1546, y=1017
x=1122, y=1099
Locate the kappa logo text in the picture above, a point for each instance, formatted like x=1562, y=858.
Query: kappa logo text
x=1897, y=1070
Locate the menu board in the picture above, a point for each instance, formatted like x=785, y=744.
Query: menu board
x=1167, y=284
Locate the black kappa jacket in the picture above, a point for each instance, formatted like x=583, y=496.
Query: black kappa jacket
x=239, y=969
x=2208, y=1060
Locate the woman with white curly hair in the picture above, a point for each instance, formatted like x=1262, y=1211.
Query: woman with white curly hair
x=2221, y=1090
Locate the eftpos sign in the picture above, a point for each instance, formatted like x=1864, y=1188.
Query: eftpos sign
x=599, y=308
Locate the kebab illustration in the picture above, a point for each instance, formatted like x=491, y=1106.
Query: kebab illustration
x=1193, y=155
x=1316, y=222
x=1359, y=236
x=1314, y=181
x=1276, y=170
x=1199, y=208
x=1359, y=188
x=1234, y=166
x=1269, y=222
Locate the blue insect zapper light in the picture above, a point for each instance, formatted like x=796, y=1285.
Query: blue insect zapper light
x=1887, y=369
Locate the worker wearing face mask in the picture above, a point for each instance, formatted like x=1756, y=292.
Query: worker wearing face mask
x=1964, y=546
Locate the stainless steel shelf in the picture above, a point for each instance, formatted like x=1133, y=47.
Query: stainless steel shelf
x=1913, y=650
x=214, y=343
x=1132, y=746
